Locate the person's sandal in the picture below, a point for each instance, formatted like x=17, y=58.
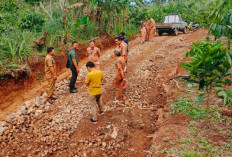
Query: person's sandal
x=93, y=121
x=102, y=113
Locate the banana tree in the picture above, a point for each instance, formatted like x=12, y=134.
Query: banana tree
x=209, y=64
x=222, y=16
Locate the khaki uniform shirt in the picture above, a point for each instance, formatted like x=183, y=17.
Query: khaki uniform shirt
x=123, y=48
x=119, y=66
x=49, y=62
x=93, y=54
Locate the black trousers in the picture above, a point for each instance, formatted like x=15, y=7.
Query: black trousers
x=73, y=78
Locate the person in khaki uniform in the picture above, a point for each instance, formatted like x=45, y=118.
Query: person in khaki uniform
x=152, y=29
x=119, y=80
x=93, y=54
x=123, y=48
x=148, y=27
x=93, y=81
x=50, y=73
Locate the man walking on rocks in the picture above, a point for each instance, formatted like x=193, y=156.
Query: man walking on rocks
x=50, y=73
x=119, y=80
x=123, y=34
x=122, y=47
x=73, y=64
x=93, y=81
x=93, y=54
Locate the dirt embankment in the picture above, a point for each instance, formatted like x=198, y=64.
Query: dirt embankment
x=17, y=86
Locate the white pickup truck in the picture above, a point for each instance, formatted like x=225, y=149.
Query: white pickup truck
x=172, y=24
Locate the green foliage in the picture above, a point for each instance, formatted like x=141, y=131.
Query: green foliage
x=210, y=63
x=182, y=105
x=16, y=48
x=199, y=99
x=225, y=94
x=12, y=66
x=8, y=5
x=32, y=21
x=33, y=2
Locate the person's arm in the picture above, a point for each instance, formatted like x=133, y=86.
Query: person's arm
x=103, y=79
x=98, y=52
x=75, y=62
x=119, y=67
x=87, y=82
x=122, y=73
x=87, y=52
x=52, y=70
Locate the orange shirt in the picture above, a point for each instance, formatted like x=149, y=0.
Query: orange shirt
x=119, y=67
x=93, y=54
x=123, y=48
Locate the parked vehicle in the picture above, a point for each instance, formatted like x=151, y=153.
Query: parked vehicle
x=193, y=27
x=172, y=24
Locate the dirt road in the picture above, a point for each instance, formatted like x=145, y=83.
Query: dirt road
x=126, y=129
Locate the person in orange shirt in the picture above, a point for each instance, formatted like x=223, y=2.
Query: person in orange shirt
x=119, y=80
x=148, y=27
x=93, y=54
x=143, y=33
x=122, y=47
x=152, y=29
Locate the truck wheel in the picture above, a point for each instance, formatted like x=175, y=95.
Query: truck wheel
x=176, y=32
x=160, y=33
x=185, y=30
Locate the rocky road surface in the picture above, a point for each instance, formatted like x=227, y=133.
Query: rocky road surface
x=62, y=129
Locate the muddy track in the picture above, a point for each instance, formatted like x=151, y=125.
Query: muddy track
x=63, y=128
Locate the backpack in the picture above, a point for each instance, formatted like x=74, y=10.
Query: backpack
x=67, y=64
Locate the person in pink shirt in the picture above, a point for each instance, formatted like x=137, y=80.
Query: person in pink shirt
x=152, y=29
x=93, y=54
x=148, y=28
x=143, y=33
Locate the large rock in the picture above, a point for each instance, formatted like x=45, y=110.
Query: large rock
x=114, y=133
x=22, y=110
x=2, y=130
x=2, y=123
x=10, y=117
x=28, y=103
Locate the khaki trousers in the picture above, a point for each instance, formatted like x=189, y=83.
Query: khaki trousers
x=51, y=86
x=120, y=84
x=94, y=101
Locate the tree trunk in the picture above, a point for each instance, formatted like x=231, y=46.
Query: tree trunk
x=65, y=24
x=229, y=40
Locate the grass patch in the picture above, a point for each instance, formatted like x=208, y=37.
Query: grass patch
x=182, y=105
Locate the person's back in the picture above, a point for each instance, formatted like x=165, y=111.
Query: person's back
x=126, y=40
x=123, y=34
x=120, y=65
x=95, y=82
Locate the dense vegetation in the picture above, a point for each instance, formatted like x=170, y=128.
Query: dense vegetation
x=25, y=21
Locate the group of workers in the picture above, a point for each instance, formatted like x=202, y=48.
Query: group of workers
x=94, y=79
x=148, y=28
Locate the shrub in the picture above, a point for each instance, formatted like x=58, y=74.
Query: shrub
x=32, y=21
